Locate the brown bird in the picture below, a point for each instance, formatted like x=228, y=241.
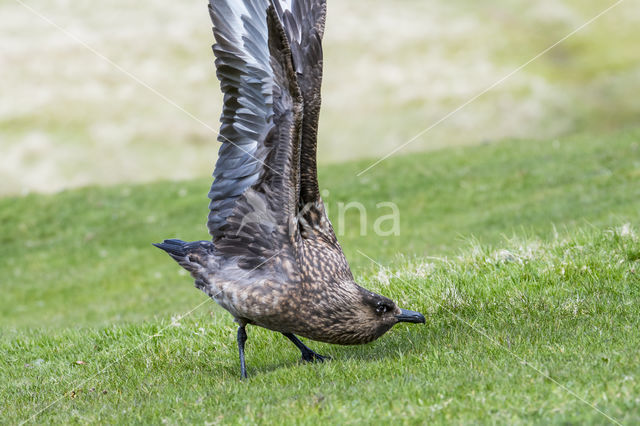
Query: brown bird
x=274, y=260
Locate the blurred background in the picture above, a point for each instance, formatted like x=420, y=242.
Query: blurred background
x=70, y=118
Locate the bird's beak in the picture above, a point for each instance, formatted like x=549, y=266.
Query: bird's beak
x=410, y=316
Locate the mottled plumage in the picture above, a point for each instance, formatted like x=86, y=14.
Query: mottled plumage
x=274, y=260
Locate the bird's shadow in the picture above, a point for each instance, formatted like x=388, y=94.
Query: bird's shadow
x=402, y=342
x=265, y=356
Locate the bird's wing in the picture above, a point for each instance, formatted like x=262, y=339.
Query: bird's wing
x=304, y=23
x=244, y=70
x=256, y=186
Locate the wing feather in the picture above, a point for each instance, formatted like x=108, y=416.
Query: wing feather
x=304, y=23
x=256, y=189
x=244, y=70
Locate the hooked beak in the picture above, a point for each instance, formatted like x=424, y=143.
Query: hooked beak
x=410, y=316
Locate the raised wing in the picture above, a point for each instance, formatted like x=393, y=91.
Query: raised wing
x=304, y=24
x=254, y=195
x=244, y=70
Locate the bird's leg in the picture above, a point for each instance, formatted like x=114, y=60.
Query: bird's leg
x=242, y=338
x=307, y=354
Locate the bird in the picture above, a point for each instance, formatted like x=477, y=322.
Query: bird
x=273, y=259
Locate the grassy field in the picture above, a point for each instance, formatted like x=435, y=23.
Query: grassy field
x=524, y=256
x=70, y=118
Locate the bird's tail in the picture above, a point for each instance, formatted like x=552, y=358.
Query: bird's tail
x=196, y=257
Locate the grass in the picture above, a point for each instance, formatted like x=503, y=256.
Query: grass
x=508, y=332
x=523, y=255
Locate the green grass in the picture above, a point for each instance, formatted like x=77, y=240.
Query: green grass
x=524, y=257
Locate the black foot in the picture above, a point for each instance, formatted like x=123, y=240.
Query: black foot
x=314, y=357
x=307, y=354
x=242, y=338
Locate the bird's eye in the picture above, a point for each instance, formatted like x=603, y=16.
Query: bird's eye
x=381, y=308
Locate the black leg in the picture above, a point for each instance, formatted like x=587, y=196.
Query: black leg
x=307, y=354
x=242, y=338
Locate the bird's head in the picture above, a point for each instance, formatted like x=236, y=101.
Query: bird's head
x=384, y=312
x=370, y=315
